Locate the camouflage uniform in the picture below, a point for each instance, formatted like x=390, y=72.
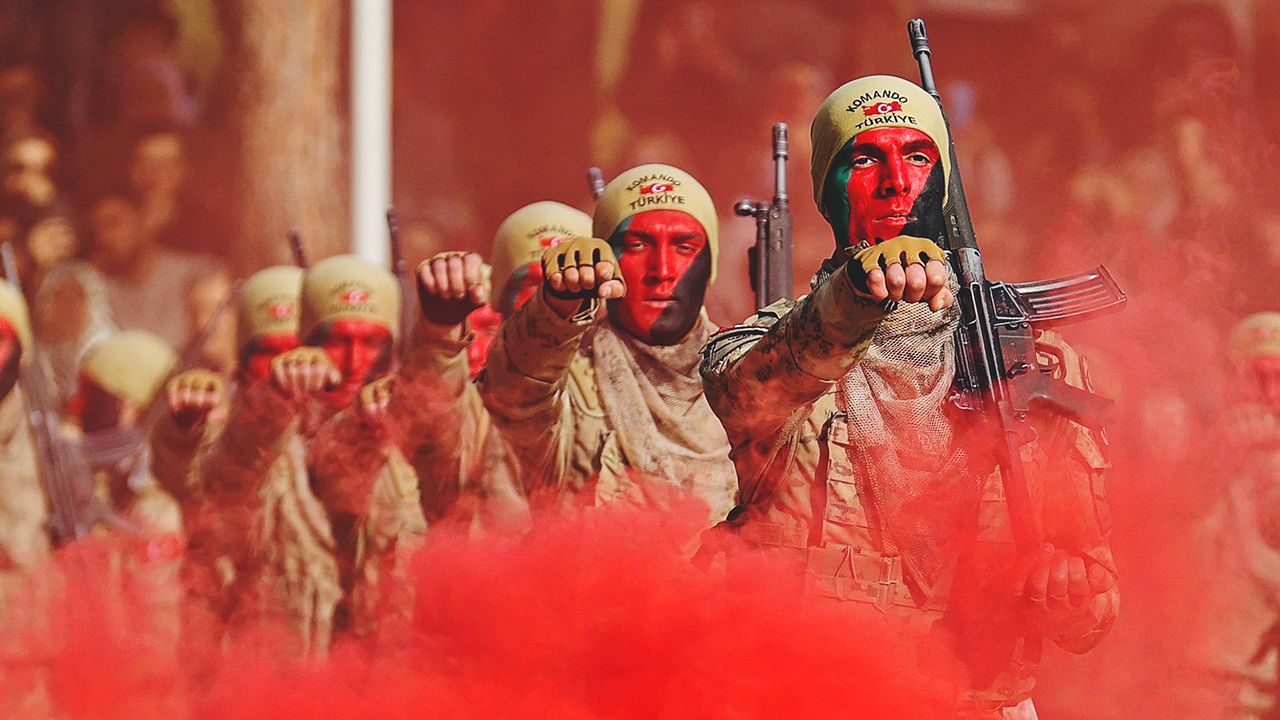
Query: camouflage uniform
x=821, y=396
x=144, y=565
x=24, y=544
x=1237, y=657
x=467, y=472
x=259, y=542
x=361, y=478
x=558, y=388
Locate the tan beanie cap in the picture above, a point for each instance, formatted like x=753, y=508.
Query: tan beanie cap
x=130, y=364
x=347, y=287
x=525, y=233
x=1256, y=336
x=269, y=304
x=656, y=187
x=13, y=307
x=870, y=103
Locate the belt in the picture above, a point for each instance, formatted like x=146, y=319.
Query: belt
x=847, y=573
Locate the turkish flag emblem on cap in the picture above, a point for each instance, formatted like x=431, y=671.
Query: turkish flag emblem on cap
x=654, y=188
x=355, y=297
x=551, y=241
x=280, y=311
x=881, y=108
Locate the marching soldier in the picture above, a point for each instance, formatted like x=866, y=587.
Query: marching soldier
x=607, y=407
x=849, y=465
x=259, y=542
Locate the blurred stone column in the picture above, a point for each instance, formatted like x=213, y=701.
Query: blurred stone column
x=292, y=120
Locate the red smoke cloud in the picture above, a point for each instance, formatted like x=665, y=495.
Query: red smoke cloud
x=600, y=617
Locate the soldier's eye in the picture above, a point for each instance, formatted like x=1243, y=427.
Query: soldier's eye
x=919, y=159
x=863, y=161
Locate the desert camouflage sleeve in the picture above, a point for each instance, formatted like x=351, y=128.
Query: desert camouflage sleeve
x=523, y=384
x=173, y=455
x=758, y=374
x=238, y=459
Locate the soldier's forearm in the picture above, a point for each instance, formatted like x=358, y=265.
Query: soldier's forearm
x=253, y=437
x=173, y=451
x=432, y=381
x=529, y=361
x=345, y=458
x=798, y=359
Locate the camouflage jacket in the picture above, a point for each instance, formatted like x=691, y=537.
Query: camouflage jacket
x=260, y=545
x=23, y=512
x=773, y=382
x=467, y=472
x=540, y=387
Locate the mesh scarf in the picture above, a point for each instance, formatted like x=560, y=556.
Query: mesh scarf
x=911, y=471
x=652, y=396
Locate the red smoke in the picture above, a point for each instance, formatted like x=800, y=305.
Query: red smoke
x=600, y=617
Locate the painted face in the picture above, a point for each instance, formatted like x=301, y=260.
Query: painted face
x=99, y=409
x=255, y=361
x=361, y=350
x=885, y=178
x=665, y=259
x=1267, y=372
x=10, y=356
x=520, y=288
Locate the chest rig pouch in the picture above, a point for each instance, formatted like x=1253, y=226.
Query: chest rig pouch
x=845, y=556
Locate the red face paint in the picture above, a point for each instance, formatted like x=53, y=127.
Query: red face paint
x=889, y=169
x=1267, y=371
x=485, y=322
x=361, y=350
x=529, y=285
x=256, y=362
x=10, y=354
x=664, y=258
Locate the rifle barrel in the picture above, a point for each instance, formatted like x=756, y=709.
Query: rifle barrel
x=780, y=155
x=920, y=49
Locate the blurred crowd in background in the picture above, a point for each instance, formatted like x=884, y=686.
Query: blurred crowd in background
x=1139, y=135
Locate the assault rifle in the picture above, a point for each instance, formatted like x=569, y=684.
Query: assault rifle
x=67, y=478
x=770, y=258
x=595, y=181
x=998, y=373
x=408, y=289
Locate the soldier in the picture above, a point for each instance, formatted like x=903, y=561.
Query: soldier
x=348, y=324
x=23, y=542
x=613, y=411
x=259, y=542
x=1239, y=654
x=848, y=466
x=22, y=503
x=118, y=378
x=445, y=428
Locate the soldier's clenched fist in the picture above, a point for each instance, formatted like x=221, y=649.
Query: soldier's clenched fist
x=1063, y=591
x=580, y=269
x=450, y=286
x=906, y=268
x=303, y=371
x=192, y=395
